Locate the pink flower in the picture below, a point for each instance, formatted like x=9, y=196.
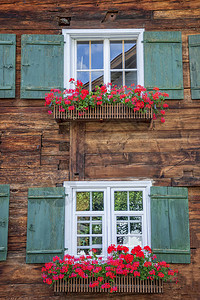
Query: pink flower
x=162, y=120
x=49, y=112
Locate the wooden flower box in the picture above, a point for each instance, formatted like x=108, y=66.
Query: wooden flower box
x=104, y=112
x=124, y=284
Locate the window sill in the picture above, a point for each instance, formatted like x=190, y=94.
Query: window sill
x=125, y=285
x=104, y=112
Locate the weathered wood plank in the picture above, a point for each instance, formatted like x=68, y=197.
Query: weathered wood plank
x=176, y=14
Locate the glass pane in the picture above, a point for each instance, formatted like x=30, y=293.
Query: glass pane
x=130, y=77
x=129, y=241
x=135, y=241
x=99, y=251
x=82, y=201
x=97, y=201
x=83, y=218
x=83, y=251
x=136, y=218
x=84, y=77
x=83, y=228
x=123, y=240
x=122, y=218
x=97, y=228
x=97, y=79
x=116, y=55
x=122, y=228
x=136, y=228
x=120, y=200
x=136, y=201
x=97, y=240
x=96, y=218
x=83, y=241
x=130, y=55
x=117, y=78
x=82, y=55
x=97, y=55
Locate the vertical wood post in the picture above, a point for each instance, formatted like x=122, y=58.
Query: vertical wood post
x=77, y=150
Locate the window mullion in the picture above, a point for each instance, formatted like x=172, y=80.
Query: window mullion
x=106, y=61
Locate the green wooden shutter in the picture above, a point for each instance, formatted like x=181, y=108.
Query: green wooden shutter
x=4, y=215
x=170, y=239
x=163, y=62
x=41, y=64
x=45, y=226
x=194, y=56
x=7, y=65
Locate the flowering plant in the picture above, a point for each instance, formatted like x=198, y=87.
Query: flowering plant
x=139, y=263
x=80, y=99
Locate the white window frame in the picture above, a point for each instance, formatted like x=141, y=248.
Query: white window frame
x=71, y=36
x=109, y=214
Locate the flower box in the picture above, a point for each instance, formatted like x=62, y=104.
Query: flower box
x=103, y=112
x=124, y=284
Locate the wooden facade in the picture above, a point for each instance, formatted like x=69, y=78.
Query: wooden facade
x=36, y=151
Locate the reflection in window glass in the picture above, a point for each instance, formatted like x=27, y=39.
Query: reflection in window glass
x=120, y=200
x=96, y=79
x=97, y=201
x=116, y=55
x=82, y=201
x=131, y=78
x=129, y=241
x=130, y=55
x=136, y=200
x=97, y=55
x=82, y=55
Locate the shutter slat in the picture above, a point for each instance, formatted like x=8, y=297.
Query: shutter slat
x=7, y=65
x=45, y=225
x=170, y=238
x=4, y=215
x=194, y=60
x=160, y=47
x=41, y=65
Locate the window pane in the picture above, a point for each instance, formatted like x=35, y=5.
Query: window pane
x=96, y=218
x=129, y=241
x=130, y=77
x=117, y=78
x=120, y=200
x=83, y=251
x=82, y=55
x=82, y=201
x=136, y=201
x=99, y=251
x=116, y=55
x=83, y=218
x=122, y=228
x=97, y=201
x=136, y=228
x=136, y=218
x=97, y=240
x=83, y=241
x=97, y=55
x=84, y=77
x=97, y=228
x=97, y=79
x=122, y=218
x=130, y=55
x=83, y=228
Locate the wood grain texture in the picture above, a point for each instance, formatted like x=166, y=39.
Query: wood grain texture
x=35, y=150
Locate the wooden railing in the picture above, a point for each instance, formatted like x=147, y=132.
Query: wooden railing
x=125, y=284
x=107, y=111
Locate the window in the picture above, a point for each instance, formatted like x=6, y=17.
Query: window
x=98, y=214
x=100, y=56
